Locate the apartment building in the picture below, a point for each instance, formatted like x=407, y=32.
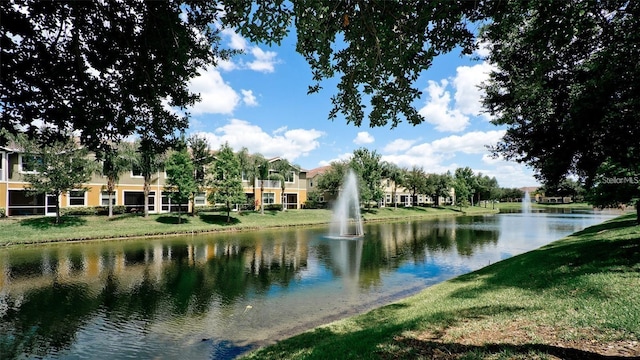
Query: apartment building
x=129, y=192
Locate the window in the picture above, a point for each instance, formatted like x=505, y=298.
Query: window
x=136, y=170
x=200, y=199
x=269, y=198
x=104, y=198
x=310, y=183
x=1, y=166
x=169, y=206
x=289, y=176
x=77, y=198
x=134, y=201
x=27, y=163
x=244, y=176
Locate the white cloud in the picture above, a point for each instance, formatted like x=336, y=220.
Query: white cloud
x=431, y=156
x=236, y=41
x=341, y=157
x=511, y=175
x=264, y=60
x=484, y=49
x=248, y=98
x=437, y=111
x=398, y=145
x=363, y=138
x=225, y=65
x=217, y=97
x=289, y=144
x=468, y=95
x=474, y=142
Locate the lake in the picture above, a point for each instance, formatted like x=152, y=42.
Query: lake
x=217, y=296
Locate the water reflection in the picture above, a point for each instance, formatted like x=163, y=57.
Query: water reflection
x=218, y=296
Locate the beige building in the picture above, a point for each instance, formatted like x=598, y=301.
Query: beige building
x=16, y=200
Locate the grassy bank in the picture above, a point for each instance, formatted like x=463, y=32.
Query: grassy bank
x=518, y=206
x=19, y=230
x=576, y=298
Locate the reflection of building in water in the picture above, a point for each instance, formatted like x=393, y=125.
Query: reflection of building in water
x=131, y=265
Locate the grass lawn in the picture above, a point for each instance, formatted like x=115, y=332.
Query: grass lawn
x=518, y=206
x=577, y=298
x=20, y=230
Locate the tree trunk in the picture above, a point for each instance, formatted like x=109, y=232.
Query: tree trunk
x=57, y=209
x=110, y=204
x=147, y=180
x=179, y=212
x=262, y=197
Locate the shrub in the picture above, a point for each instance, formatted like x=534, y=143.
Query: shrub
x=92, y=210
x=273, y=207
x=3, y=212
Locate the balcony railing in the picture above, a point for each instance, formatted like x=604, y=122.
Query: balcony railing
x=268, y=184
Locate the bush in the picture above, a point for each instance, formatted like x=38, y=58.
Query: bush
x=3, y=212
x=273, y=207
x=92, y=210
x=117, y=209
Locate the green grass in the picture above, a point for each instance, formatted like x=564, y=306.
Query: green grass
x=19, y=230
x=570, y=299
x=518, y=206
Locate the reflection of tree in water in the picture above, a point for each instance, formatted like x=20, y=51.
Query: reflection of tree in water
x=45, y=320
x=150, y=281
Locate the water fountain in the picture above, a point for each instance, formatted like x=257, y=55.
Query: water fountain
x=526, y=203
x=346, y=221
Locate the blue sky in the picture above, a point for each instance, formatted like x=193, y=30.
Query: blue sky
x=259, y=100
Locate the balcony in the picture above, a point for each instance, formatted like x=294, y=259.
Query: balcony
x=269, y=184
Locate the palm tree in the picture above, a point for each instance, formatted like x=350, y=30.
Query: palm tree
x=282, y=168
x=116, y=161
x=396, y=174
x=149, y=161
x=263, y=174
x=249, y=165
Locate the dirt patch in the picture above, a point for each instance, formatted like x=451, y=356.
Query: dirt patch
x=516, y=340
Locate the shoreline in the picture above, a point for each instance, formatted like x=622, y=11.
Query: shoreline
x=35, y=228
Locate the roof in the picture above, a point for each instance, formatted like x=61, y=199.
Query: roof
x=318, y=171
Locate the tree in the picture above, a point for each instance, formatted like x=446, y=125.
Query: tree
x=331, y=180
x=226, y=180
x=442, y=184
x=263, y=174
x=397, y=175
x=380, y=48
x=57, y=167
x=104, y=68
x=181, y=182
x=416, y=181
x=201, y=157
x=283, y=169
x=149, y=160
x=566, y=85
x=116, y=161
x=92, y=65
x=485, y=188
x=249, y=163
x=466, y=184
x=368, y=166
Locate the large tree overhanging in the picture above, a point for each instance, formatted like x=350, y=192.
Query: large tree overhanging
x=567, y=85
x=108, y=69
